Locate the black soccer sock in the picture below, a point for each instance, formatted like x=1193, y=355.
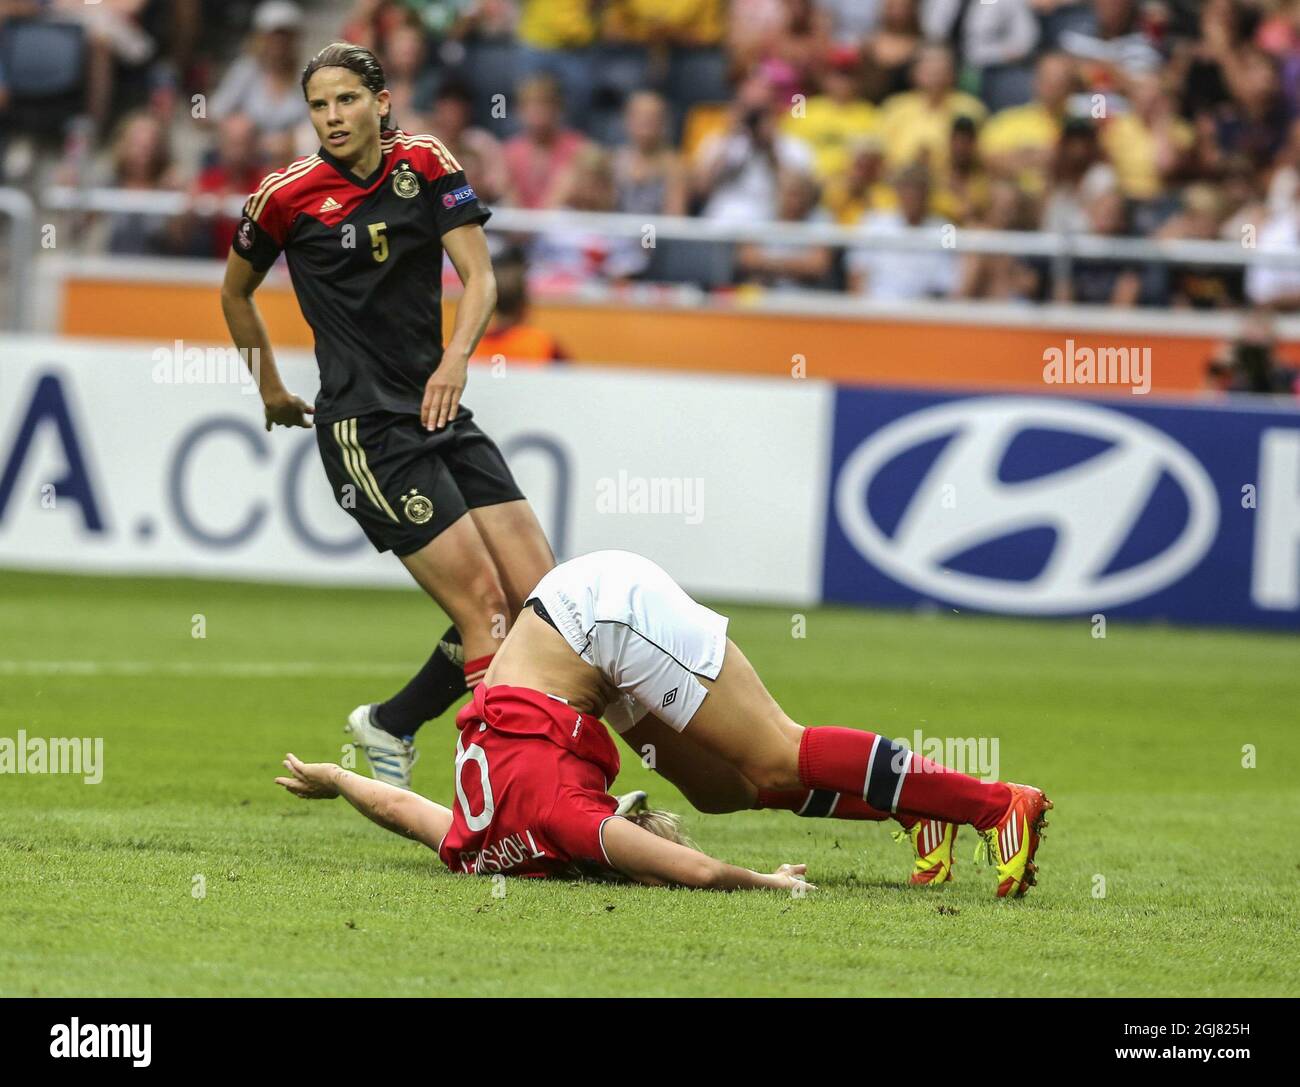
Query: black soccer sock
x=431, y=691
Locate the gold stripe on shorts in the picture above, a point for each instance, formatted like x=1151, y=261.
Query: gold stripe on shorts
x=354, y=459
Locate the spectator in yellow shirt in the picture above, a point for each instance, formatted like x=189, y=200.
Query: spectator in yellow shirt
x=1018, y=143
x=1149, y=145
x=656, y=22
x=962, y=196
x=555, y=38
x=556, y=24
x=829, y=122
x=917, y=125
x=862, y=187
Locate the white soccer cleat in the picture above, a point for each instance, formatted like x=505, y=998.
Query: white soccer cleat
x=631, y=803
x=390, y=757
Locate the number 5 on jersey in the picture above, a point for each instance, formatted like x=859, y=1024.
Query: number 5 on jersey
x=378, y=242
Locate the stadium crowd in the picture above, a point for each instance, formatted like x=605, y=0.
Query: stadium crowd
x=1119, y=118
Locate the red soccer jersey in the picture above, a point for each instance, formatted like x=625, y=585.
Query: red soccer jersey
x=532, y=785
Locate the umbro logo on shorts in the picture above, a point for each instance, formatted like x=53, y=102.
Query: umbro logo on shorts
x=670, y=698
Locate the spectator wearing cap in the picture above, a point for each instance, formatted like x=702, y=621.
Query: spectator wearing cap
x=831, y=121
x=1019, y=142
x=263, y=83
x=888, y=275
x=917, y=125
x=539, y=155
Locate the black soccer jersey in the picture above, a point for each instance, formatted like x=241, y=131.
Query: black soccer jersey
x=365, y=258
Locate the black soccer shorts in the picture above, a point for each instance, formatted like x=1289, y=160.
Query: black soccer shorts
x=403, y=484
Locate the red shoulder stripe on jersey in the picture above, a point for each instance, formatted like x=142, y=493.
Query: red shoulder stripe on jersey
x=273, y=182
x=445, y=158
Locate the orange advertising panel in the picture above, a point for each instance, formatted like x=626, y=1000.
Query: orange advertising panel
x=727, y=340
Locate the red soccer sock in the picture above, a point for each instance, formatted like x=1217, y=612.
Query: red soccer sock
x=891, y=778
x=476, y=669
x=819, y=804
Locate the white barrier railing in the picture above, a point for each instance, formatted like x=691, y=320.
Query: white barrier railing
x=685, y=228
x=17, y=206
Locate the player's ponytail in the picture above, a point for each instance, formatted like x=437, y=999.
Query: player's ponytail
x=355, y=58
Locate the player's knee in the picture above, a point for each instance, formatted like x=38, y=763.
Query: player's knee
x=777, y=768
x=479, y=601
x=775, y=764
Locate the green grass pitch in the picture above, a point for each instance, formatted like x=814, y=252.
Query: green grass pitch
x=1138, y=738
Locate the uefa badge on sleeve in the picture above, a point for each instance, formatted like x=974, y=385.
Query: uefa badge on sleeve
x=417, y=508
x=405, y=183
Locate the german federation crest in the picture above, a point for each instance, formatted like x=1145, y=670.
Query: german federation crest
x=406, y=184
x=417, y=508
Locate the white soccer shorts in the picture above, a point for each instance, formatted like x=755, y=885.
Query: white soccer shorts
x=624, y=615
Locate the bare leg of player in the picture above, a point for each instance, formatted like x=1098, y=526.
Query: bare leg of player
x=457, y=570
x=709, y=784
x=518, y=546
x=715, y=787
x=742, y=724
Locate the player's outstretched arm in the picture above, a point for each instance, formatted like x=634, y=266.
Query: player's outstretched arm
x=647, y=858
x=402, y=812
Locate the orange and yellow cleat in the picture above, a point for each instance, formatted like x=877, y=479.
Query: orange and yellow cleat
x=932, y=841
x=1011, y=843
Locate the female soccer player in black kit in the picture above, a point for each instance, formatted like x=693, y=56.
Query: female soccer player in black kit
x=363, y=224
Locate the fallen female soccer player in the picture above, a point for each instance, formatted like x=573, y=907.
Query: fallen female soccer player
x=611, y=634
x=544, y=809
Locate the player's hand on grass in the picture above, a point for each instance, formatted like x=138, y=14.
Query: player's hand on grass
x=285, y=409
x=442, y=392
x=311, y=780
x=792, y=875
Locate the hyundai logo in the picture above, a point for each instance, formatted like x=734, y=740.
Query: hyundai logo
x=963, y=502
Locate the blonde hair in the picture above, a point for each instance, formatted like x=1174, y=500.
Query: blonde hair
x=663, y=824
